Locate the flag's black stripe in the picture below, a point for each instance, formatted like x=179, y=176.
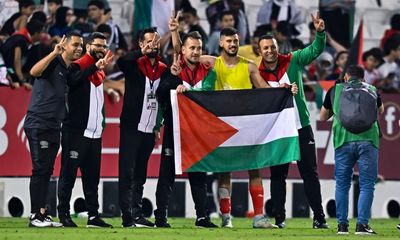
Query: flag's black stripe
x=243, y=102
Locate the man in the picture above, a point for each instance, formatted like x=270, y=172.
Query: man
x=143, y=72
x=354, y=146
x=52, y=6
x=42, y=125
x=279, y=69
x=18, y=20
x=227, y=19
x=82, y=130
x=187, y=74
x=389, y=66
x=15, y=51
x=250, y=51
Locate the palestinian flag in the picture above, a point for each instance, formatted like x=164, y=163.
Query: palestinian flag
x=356, y=49
x=321, y=88
x=223, y=131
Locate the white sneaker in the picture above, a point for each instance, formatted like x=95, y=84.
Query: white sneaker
x=37, y=220
x=260, y=221
x=48, y=219
x=226, y=221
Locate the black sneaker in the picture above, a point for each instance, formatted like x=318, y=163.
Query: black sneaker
x=162, y=223
x=127, y=221
x=280, y=224
x=97, y=222
x=320, y=224
x=342, y=229
x=143, y=222
x=37, y=220
x=398, y=226
x=66, y=221
x=364, y=229
x=204, y=222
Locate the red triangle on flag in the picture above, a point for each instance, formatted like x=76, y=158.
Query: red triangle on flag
x=200, y=131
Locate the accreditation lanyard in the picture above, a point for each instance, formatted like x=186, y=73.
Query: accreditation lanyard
x=151, y=97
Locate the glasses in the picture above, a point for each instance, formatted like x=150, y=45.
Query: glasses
x=99, y=45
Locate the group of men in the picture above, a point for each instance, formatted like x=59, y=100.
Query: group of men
x=146, y=103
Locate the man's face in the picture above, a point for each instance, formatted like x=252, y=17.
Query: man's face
x=148, y=38
x=227, y=21
x=230, y=44
x=73, y=48
x=269, y=50
x=95, y=13
x=254, y=45
x=97, y=49
x=52, y=7
x=192, y=50
x=27, y=11
x=370, y=63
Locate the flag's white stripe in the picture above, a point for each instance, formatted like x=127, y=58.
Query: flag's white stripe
x=177, y=134
x=261, y=128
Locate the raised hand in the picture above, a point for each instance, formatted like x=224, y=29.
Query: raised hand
x=173, y=22
x=319, y=24
x=59, y=47
x=101, y=63
x=176, y=67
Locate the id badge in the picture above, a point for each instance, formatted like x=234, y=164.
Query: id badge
x=151, y=101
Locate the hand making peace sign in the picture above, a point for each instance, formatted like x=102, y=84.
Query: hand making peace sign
x=176, y=67
x=319, y=24
x=173, y=23
x=59, y=47
x=101, y=63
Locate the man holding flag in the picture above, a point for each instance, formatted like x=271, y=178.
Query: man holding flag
x=279, y=69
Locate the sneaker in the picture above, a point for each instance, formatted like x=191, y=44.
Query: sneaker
x=280, y=224
x=260, y=221
x=37, y=220
x=162, y=223
x=320, y=224
x=143, y=222
x=66, y=221
x=97, y=222
x=204, y=222
x=342, y=229
x=226, y=221
x=398, y=226
x=127, y=221
x=48, y=219
x=364, y=229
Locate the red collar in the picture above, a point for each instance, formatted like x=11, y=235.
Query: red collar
x=280, y=70
x=151, y=71
x=84, y=62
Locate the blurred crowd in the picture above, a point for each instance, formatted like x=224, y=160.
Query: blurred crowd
x=31, y=33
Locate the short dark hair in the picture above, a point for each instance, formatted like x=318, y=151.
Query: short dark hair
x=229, y=31
x=93, y=36
x=264, y=37
x=392, y=43
x=104, y=28
x=25, y=4
x=224, y=13
x=34, y=26
x=395, y=22
x=71, y=34
x=375, y=52
x=144, y=31
x=58, y=2
x=355, y=71
x=193, y=35
x=340, y=53
x=40, y=16
x=97, y=3
x=191, y=10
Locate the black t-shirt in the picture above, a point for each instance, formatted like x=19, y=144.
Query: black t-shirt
x=331, y=93
x=47, y=107
x=8, y=27
x=7, y=49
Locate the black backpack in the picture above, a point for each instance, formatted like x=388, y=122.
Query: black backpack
x=358, y=109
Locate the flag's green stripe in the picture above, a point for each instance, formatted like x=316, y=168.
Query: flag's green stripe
x=227, y=159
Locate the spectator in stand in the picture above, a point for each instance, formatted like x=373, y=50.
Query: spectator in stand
x=394, y=29
x=371, y=59
x=283, y=34
x=227, y=19
x=340, y=64
x=192, y=20
x=250, y=51
x=332, y=46
x=214, y=11
x=81, y=25
x=98, y=14
x=19, y=20
x=64, y=19
x=52, y=6
x=391, y=52
x=274, y=11
x=323, y=67
x=15, y=50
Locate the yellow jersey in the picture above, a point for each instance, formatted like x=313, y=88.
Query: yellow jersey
x=231, y=78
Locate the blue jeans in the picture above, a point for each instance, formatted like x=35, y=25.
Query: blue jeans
x=346, y=156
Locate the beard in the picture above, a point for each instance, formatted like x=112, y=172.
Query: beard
x=153, y=54
x=231, y=54
x=96, y=54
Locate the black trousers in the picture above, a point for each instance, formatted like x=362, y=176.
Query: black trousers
x=134, y=152
x=83, y=153
x=308, y=172
x=166, y=180
x=44, y=145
